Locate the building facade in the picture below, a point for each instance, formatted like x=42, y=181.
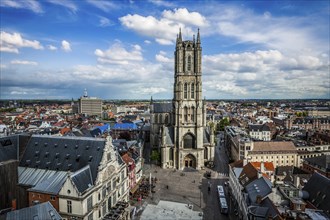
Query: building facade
x=90, y=105
x=179, y=128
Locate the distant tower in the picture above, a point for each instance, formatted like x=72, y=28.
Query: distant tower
x=85, y=93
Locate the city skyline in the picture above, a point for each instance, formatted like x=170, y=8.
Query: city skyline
x=124, y=49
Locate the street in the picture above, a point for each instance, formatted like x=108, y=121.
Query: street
x=172, y=185
x=219, y=176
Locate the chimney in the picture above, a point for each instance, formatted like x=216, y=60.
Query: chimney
x=262, y=167
x=258, y=199
x=245, y=162
x=296, y=181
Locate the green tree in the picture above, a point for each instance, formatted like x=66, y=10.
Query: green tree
x=222, y=124
x=155, y=156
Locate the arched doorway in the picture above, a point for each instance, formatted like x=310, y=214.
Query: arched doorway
x=189, y=161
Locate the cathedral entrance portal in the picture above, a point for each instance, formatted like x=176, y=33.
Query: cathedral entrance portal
x=190, y=161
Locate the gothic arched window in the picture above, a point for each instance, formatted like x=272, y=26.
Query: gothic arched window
x=192, y=90
x=189, y=63
x=185, y=90
x=167, y=121
x=161, y=119
x=189, y=141
x=192, y=115
x=185, y=113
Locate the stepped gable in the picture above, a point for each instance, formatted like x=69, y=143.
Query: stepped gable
x=63, y=153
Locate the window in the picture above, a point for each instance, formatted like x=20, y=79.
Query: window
x=192, y=114
x=185, y=114
x=109, y=203
x=90, y=217
x=192, y=90
x=69, y=206
x=52, y=198
x=89, y=203
x=188, y=141
x=185, y=90
x=104, y=210
x=99, y=196
x=189, y=63
x=104, y=191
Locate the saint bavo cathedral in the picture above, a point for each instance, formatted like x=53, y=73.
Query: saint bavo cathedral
x=178, y=129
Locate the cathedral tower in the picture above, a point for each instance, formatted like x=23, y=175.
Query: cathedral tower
x=179, y=128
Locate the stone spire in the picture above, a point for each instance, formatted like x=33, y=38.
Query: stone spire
x=180, y=36
x=198, y=37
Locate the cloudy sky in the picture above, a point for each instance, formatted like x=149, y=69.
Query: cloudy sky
x=54, y=49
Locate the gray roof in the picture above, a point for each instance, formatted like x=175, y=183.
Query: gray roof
x=83, y=179
x=169, y=131
x=51, y=185
x=206, y=136
x=318, y=188
x=163, y=107
x=43, y=211
x=8, y=148
x=257, y=127
x=32, y=176
x=322, y=161
x=259, y=187
x=63, y=153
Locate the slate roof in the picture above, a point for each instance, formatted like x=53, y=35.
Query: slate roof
x=322, y=161
x=284, y=170
x=63, y=153
x=163, y=107
x=257, y=127
x=318, y=188
x=169, y=131
x=206, y=136
x=8, y=148
x=43, y=211
x=259, y=187
x=31, y=176
x=51, y=185
x=83, y=179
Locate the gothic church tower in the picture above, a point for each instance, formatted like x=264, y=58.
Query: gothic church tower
x=178, y=129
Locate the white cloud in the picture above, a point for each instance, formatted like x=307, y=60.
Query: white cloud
x=103, y=5
x=105, y=22
x=151, y=90
x=11, y=42
x=161, y=57
x=24, y=62
x=65, y=3
x=162, y=3
x=66, y=46
x=292, y=35
x=51, y=47
x=165, y=29
x=32, y=5
x=147, y=42
x=264, y=74
x=182, y=15
x=117, y=54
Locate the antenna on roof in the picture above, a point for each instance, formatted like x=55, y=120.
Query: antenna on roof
x=85, y=93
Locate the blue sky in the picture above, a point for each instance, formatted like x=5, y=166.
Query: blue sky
x=54, y=49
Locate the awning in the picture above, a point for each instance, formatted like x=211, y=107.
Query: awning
x=133, y=190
